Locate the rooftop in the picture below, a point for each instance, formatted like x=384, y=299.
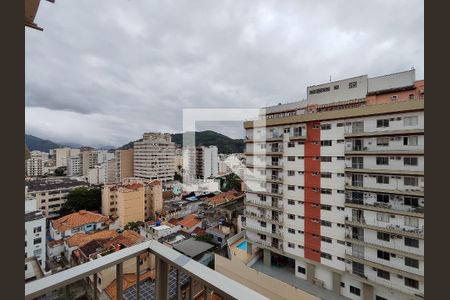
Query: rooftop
x=129, y=280
x=33, y=215
x=52, y=184
x=80, y=239
x=192, y=247
x=224, y=197
x=77, y=219
x=189, y=221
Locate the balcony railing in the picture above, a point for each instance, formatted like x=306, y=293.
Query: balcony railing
x=165, y=258
x=276, y=205
x=273, y=219
x=387, y=206
x=277, y=232
x=400, y=229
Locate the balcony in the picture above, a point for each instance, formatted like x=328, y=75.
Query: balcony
x=263, y=217
x=386, y=227
x=361, y=133
x=275, y=178
x=277, y=233
x=391, y=207
x=277, y=247
x=264, y=204
x=166, y=258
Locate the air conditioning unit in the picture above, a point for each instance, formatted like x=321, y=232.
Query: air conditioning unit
x=394, y=97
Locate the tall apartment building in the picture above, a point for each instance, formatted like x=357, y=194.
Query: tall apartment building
x=154, y=157
x=124, y=164
x=35, y=229
x=88, y=160
x=207, y=162
x=74, y=166
x=61, y=155
x=110, y=171
x=135, y=199
x=51, y=193
x=35, y=164
x=336, y=186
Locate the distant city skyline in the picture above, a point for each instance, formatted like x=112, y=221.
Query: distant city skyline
x=104, y=74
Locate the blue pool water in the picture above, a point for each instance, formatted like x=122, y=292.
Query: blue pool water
x=242, y=245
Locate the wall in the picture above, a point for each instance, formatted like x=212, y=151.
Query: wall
x=265, y=285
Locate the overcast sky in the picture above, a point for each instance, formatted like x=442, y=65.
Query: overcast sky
x=104, y=72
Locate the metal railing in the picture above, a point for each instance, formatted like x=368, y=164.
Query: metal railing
x=166, y=257
x=389, y=205
x=266, y=204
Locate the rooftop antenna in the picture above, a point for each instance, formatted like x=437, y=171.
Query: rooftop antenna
x=330, y=77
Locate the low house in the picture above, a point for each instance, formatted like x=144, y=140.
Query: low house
x=81, y=221
x=219, y=234
x=189, y=223
x=157, y=230
x=225, y=197
x=193, y=248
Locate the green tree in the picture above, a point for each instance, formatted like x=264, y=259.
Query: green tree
x=132, y=226
x=230, y=182
x=82, y=198
x=60, y=171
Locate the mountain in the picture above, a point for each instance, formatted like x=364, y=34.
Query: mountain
x=35, y=143
x=225, y=145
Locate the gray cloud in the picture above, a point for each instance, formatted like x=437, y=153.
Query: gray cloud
x=103, y=72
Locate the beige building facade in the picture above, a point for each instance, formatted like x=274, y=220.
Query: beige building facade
x=124, y=164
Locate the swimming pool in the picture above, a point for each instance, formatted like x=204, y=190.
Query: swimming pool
x=242, y=245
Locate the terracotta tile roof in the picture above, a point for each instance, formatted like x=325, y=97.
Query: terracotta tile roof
x=225, y=197
x=174, y=221
x=168, y=195
x=77, y=219
x=133, y=186
x=129, y=280
x=154, y=182
x=199, y=231
x=127, y=238
x=79, y=239
x=189, y=221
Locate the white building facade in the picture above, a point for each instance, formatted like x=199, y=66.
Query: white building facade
x=336, y=186
x=35, y=248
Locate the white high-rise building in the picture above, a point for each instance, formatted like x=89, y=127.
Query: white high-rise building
x=61, y=155
x=154, y=157
x=336, y=187
x=35, y=164
x=35, y=247
x=207, y=162
x=74, y=166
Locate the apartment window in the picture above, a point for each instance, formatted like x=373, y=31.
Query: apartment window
x=291, y=231
x=383, y=217
x=383, y=274
x=262, y=237
x=325, y=175
x=340, y=242
x=380, y=298
x=340, y=208
x=325, y=207
x=37, y=229
x=412, y=221
x=325, y=191
x=325, y=223
x=263, y=224
x=411, y=283
x=382, y=123
x=300, y=246
x=382, y=198
x=411, y=242
x=383, y=236
x=342, y=284
x=411, y=201
x=301, y=270
x=340, y=158
x=357, y=162
x=352, y=85
x=355, y=290
x=326, y=239
x=301, y=231
x=291, y=158
x=26, y=267
x=291, y=245
x=286, y=130
x=383, y=179
x=325, y=127
x=297, y=131
x=383, y=160
x=411, y=262
x=411, y=121
x=340, y=125
x=325, y=255
x=291, y=202
x=383, y=142
x=37, y=241
x=410, y=161
x=291, y=173
x=411, y=181
x=37, y=252
x=410, y=141
x=325, y=158
x=291, y=187
x=291, y=217
x=326, y=143
x=291, y=144
x=262, y=197
x=383, y=255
